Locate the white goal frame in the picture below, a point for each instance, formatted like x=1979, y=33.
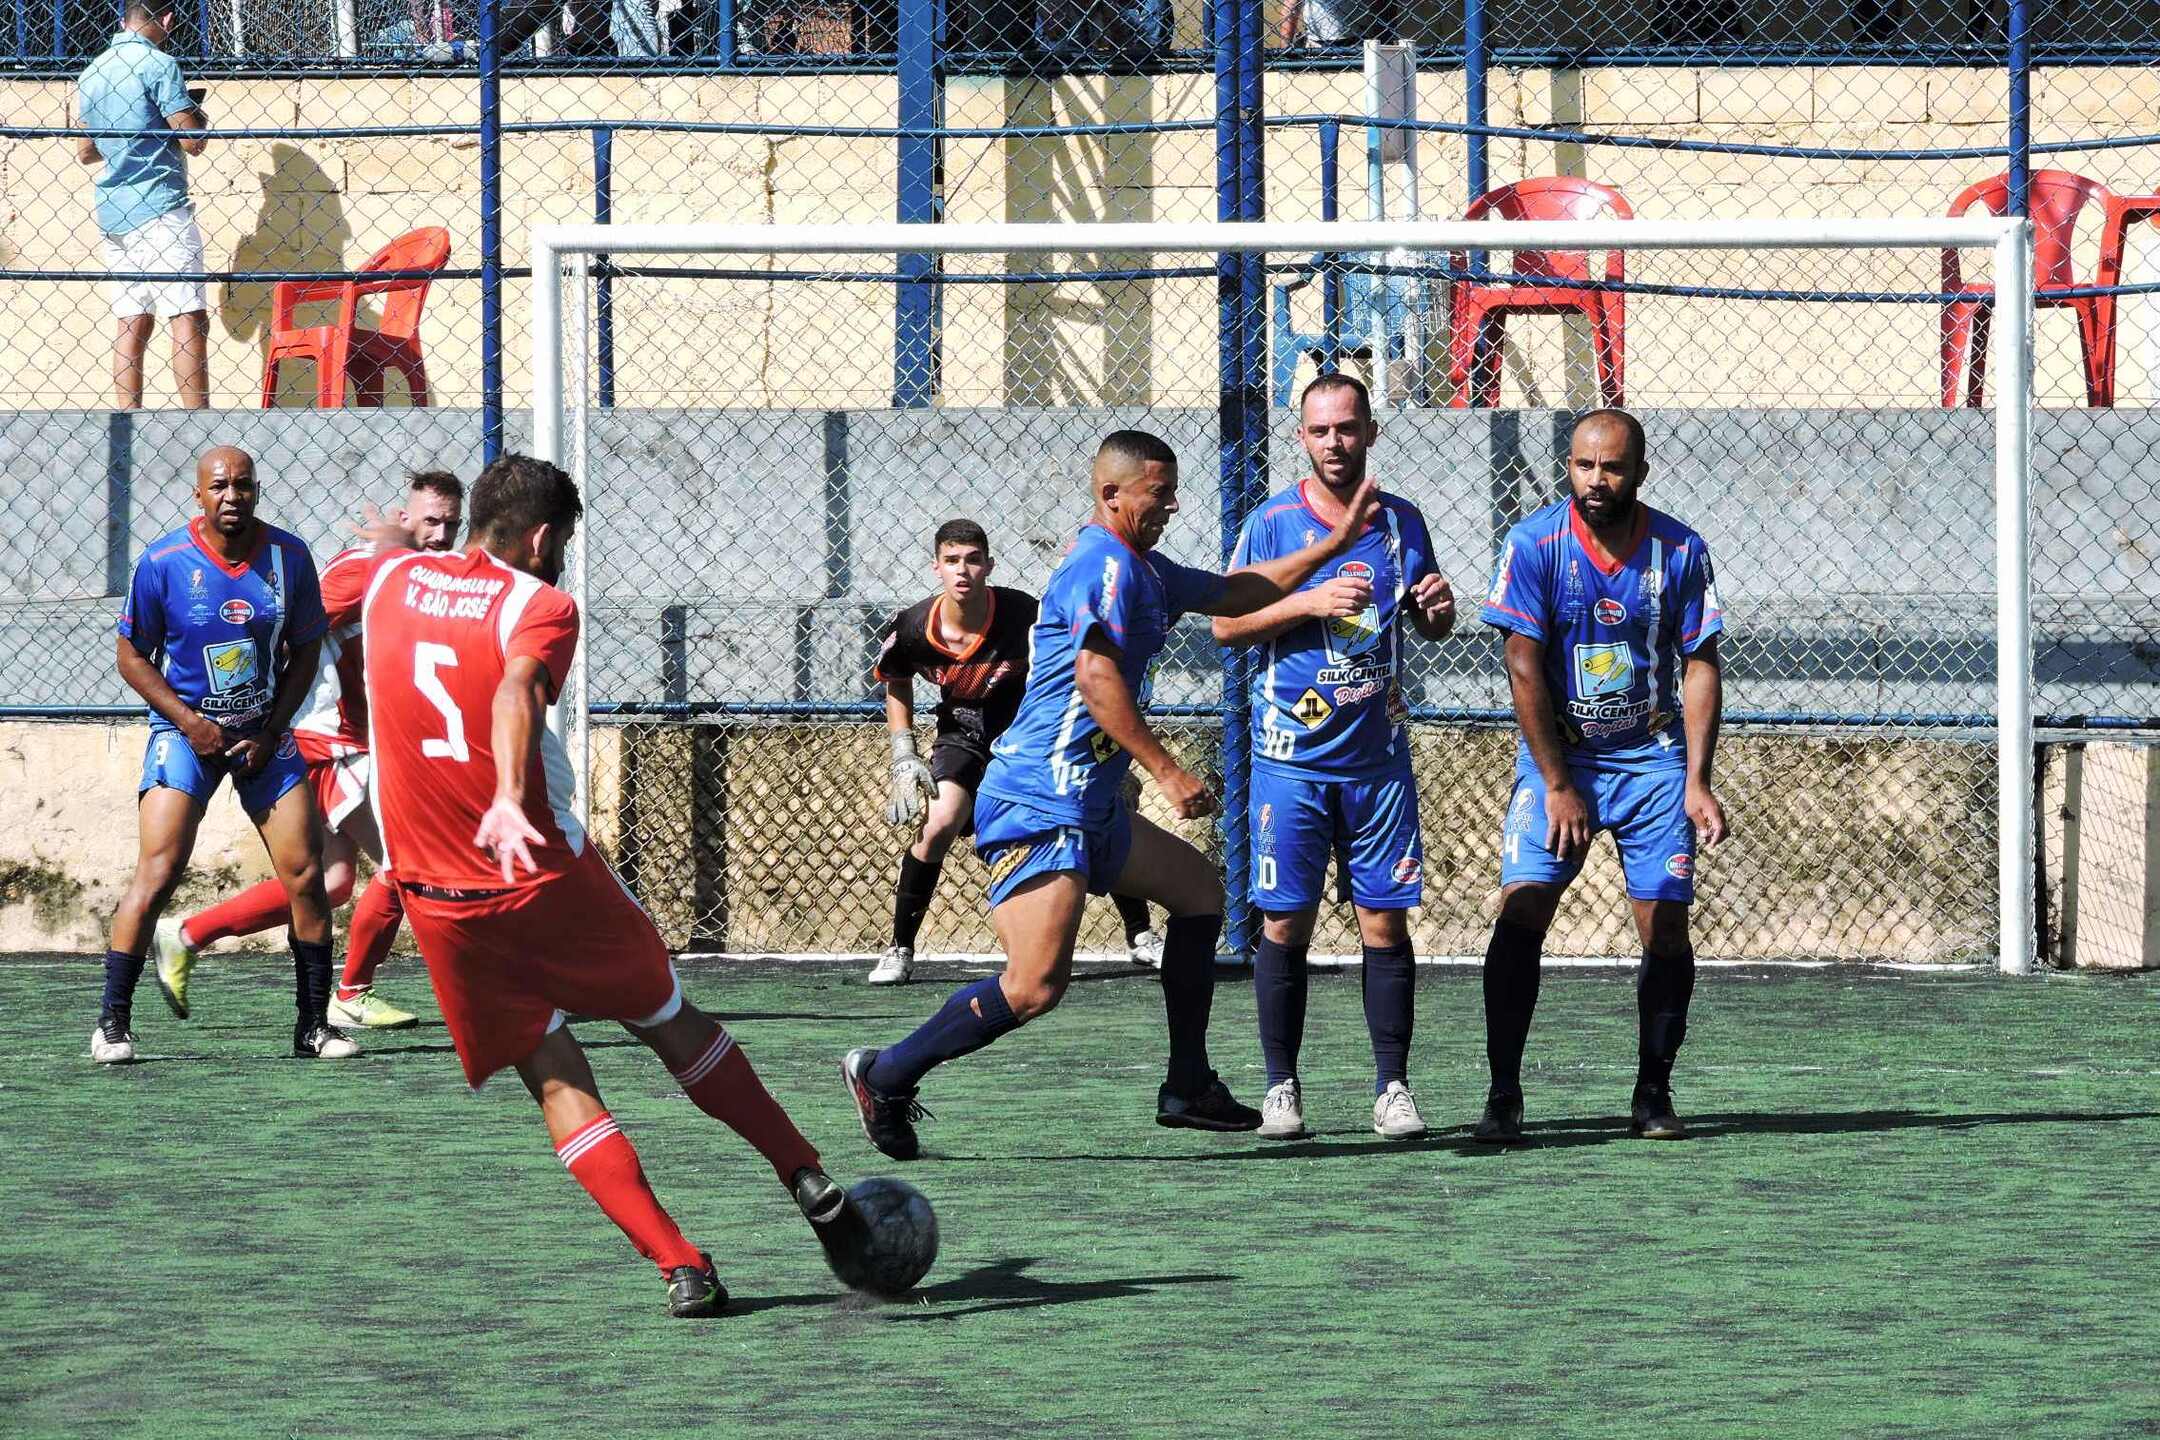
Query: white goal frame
x=2009, y=238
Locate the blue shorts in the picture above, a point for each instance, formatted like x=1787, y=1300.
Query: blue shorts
x=171, y=762
x=1646, y=813
x=1019, y=842
x=1299, y=821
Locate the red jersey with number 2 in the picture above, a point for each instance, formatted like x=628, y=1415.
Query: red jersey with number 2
x=439, y=629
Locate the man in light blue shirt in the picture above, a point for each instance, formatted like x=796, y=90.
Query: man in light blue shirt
x=148, y=225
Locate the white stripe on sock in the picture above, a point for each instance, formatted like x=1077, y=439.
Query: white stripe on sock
x=708, y=1062
x=577, y=1145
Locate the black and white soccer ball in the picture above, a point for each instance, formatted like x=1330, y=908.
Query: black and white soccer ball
x=901, y=1237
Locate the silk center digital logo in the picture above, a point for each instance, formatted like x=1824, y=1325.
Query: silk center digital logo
x=1353, y=635
x=230, y=665
x=1603, y=670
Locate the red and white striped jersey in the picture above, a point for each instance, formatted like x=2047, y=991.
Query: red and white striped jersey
x=440, y=630
x=335, y=720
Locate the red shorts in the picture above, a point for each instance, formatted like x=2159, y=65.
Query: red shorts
x=341, y=785
x=507, y=967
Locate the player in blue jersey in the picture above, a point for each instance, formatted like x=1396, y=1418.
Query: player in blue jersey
x=220, y=635
x=1606, y=603
x=1331, y=765
x=1050, y=816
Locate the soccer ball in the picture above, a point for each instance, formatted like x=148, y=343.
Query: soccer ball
x=901, y=1237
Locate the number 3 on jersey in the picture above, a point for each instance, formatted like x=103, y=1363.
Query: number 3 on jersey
x=427, y=658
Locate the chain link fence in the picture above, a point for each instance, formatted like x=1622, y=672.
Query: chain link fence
x=1797, y=405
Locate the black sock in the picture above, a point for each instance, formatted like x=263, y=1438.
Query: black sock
x=1511, y=985
x=1188, y=992
x=121, y=973
x=1134, y=914
x=1279, y=989
x=311, y=980
x=1390, y=985
x=1662, y=992
x=911, y=897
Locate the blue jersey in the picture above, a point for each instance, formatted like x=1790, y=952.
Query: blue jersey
x=1327, y=694
x=219, y=632
x=1612, y=637
x=1053, y=756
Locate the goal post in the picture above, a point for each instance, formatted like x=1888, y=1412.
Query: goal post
x=565, y=256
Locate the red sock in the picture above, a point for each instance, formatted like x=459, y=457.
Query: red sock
x=254, y=910
x=600, y=1158
x=721, y=1083
x=374, y=930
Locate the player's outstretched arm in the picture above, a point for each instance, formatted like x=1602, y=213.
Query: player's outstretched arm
x=1702, y=691
x=1567, y=814
x=146, y=680
x=912, y=787
x=1110, y=701
x=1343, y=595
x=1266, y=582
x=514, y=735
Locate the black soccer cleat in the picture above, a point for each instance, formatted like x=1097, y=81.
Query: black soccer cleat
x=841, y=1231
x=313, y=1040
x=1501, y=1124
x=888, y=1121
x=1653, y=1117
x=1214, y=1108
x=695, y=1291
x=817, y=1195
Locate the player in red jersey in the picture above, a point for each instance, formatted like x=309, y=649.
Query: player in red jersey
x=332, y=734
x=518, y=917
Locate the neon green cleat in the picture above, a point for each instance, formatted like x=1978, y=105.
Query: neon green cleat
x=369, y=1011
x=175, y=963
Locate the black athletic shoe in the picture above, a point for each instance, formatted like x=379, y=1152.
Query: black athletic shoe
x=1501, y=1124
x=313, y=1041
x=817, y=1195
x=1214, y=1108
x=694, y=1291
x=838, y=1225
x=888, y=1121
x=1653, y=1114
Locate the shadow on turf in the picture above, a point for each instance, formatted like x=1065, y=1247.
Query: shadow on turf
x=1602, y=1130
x=1000, y=1285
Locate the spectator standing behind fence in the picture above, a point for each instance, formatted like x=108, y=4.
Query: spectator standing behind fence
x=1330, y=22
x=143, y=209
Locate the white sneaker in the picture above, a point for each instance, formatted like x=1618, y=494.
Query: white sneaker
x=1145, y=949
x=323, y=1042
x=110, y=1044
x=1395, y=1113
x=894, y=966
x=1282, y=1113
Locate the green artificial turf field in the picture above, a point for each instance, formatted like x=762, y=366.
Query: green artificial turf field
x=1913, y=1205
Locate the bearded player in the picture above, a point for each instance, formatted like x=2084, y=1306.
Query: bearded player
x=333, y=738
x=971, y=641
x=518, y=917
x=1603, y=599
x=1051, y=817
x=1331, y=764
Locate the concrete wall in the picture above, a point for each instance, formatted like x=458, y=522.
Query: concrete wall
x=325, y=204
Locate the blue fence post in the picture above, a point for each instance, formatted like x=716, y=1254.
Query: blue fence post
x=2020, y=138
x=603, y=213
x=1330, y=278
x=491, y=364
x=922, y=111
x=59, y=28
x=202, y=27
x=724, y=17
x=1473, y=64
x=1230, y=472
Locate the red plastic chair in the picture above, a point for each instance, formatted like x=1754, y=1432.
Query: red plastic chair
x=1478, y=311
x=342, y=351
x=2054, y=201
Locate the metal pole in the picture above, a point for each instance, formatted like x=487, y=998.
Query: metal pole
x=2013, y=597
x=1330, y=278
x=915, y=302
x=2020, y=138
x=203, y=40
x=491, y=267
x=1474, y=62
x=603, y=145
x=724, y=17
x=1232, y=397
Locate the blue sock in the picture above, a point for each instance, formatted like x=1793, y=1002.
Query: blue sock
x=1188, y=992
x=311, y=980
x=1279, y=988
x=1390, y=986
x=974, y=1016
x=121, y=973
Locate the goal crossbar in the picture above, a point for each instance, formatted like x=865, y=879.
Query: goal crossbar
x=2008, y=238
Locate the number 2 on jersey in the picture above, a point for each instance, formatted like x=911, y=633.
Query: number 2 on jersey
x=427, y=658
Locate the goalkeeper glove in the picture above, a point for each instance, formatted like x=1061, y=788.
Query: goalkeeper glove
x=912, y=787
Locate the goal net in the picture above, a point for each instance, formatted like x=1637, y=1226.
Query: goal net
x=768, y=424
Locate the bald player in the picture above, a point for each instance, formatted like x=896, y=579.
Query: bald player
x=1051, y=820
x=220, y=635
